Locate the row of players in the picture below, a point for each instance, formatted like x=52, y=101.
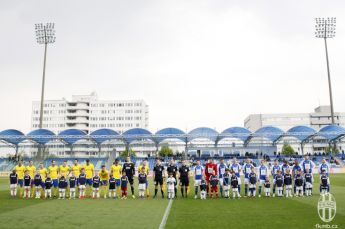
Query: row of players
x=56, y=176
x=299, y=175
x=120, y=177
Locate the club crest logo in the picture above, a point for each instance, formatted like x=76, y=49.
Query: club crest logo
x=327, y=207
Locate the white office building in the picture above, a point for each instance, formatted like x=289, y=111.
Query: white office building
x=321, y=117
x=88, y=113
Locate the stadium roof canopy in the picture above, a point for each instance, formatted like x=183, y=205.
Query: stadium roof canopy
x=269, y=132
x=12, y=136
x=235, y=132
x=71, y=136
x=273, y=134
x=170, y=133
x=102, y=135
x=203, y=132
x=302, y=133
x=332, y=132
x=136, y=134
x=41, y=136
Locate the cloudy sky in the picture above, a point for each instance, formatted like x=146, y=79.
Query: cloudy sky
x=195, y=62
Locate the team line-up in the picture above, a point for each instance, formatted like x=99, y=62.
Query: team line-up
x=58, y=180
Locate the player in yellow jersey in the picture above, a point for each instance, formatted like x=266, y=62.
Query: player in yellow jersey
x=64, y=169
x=146, y=170
x=89, y=169
x=53, y=172
x=104, y=175
x=43, y=172
x=32, y=170
x=116, y=171
x=20, y=169
x=76, y=170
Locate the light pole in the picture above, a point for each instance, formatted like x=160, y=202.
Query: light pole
x=45, y=34
x=325, y=28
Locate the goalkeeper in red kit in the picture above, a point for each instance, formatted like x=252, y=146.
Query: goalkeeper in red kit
x=210, y=169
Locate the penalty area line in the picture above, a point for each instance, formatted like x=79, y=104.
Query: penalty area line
x=166, y=214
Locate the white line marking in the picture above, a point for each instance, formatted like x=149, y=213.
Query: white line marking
x=166, y=214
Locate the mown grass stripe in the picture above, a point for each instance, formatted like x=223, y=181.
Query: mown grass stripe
x=166, y=215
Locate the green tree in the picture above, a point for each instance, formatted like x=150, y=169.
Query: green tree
x=287, y=150
x=165, y=151
x=127, y=153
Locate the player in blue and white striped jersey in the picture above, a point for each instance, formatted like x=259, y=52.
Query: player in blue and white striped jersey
x=263, y=172
x=307, y=164
x=324, y=166
x=284, y=167
x=198, y=174
x=274, y=172
x=236, y=167
x=295, y=170
x=221, y=171
x=247, y=169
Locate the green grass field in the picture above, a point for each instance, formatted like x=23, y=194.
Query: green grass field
x=242, y=213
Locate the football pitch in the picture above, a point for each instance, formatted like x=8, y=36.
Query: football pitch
x=297, y=212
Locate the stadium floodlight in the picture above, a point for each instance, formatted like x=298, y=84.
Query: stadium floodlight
x=325, y=28
x=45, y=34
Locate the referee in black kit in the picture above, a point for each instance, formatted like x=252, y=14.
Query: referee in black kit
x=184, y=178
x=158, y=176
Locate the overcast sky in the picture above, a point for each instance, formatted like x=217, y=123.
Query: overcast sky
x=196, y=63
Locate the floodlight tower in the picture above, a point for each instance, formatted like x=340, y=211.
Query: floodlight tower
x=325, y=28
x=45, y=34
